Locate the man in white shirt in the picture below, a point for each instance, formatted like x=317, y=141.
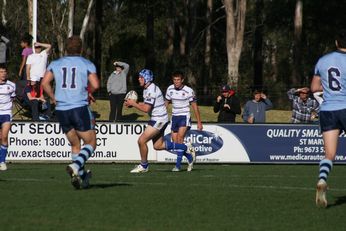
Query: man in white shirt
x=36, y=63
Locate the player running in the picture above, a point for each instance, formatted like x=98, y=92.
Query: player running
x=7, y=93
x=74, y=76
x=154, y=105
x=330, y=76
x=181, y=96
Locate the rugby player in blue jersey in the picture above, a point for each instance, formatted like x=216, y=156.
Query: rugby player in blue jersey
x=74, y=76
x=330, y=76
x=154, y=105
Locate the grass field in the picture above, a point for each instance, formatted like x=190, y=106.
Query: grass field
x=211, y=197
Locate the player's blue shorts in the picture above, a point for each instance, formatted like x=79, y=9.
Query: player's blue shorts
x=180, y=121
x=80, y=119
x=330, y=120
x=5, y=119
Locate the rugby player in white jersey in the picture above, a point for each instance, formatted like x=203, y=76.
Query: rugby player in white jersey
x=181, y=97
x=7, y=93
x=154, y=105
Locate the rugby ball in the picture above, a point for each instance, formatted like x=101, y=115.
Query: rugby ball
x=131, y=95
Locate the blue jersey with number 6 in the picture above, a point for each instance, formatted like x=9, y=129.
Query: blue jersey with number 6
x=71, y=81
x=332, y=70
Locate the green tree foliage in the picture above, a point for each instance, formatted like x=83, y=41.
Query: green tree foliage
x=118, y=30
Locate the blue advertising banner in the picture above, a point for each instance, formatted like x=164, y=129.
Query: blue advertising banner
x=217, y=143
x=259, y=143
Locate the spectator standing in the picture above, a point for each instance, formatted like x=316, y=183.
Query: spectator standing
x=255, y=109
x=36, y=63
x=117, y=88
x=304, y=109
x=25, y=43
x=7, y=93
x=228, y=105
x=3, y=48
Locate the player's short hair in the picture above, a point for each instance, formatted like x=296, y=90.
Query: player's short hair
x=3, y=66
x=341, y=38
x=178, y=74
x=74, y=45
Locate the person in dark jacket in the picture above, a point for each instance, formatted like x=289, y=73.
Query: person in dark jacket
x=228, y=105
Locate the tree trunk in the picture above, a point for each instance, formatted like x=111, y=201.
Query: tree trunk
x=257, y=46
x=297, y=56
x=98, y=36
x=207, y=73
x=58, y=25
x=3, y=10
x=30, y=15
x=235, y=24
x=86, y=20
x=71, y=7
x=150, y=51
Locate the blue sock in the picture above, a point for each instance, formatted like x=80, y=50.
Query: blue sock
x=145, y=164
x=179, y=159
x=83, y=156
x=188, y=157
x=325, y=168
x=175, y=146
x=81, y=170
x=3, y=153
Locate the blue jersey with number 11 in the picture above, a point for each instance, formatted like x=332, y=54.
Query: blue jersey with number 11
x=332, y=70
x=71, y=81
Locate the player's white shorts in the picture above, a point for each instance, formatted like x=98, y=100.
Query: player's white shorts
x=158, y=124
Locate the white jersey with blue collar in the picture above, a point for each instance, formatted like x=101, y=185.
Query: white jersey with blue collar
x=181, y=99
x=7, y=93
x=152, y=95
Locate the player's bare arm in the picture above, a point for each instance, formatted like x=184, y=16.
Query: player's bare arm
x=140, y=106
x=316, y=84
x=94, y=82
x=198, y=115
x=47, y=79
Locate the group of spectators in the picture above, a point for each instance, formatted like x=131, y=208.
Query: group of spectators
x=304, y=108
x=31, y=71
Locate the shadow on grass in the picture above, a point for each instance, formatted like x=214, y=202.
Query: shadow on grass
x=107, y=185
x=183, y=170
x=339, y=201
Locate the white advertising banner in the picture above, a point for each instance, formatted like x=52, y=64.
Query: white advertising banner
x=213, y=144
x=46, y=142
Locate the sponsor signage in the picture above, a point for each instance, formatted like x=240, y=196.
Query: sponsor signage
x=217, y=143
x=46, y=142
